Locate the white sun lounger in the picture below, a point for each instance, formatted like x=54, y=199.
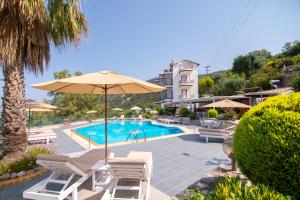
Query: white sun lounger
x=68, y=173
x=37, y=136
x=131, y=176
x=214, y=133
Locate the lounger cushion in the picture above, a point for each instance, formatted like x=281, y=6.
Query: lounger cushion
x=83, y=162
x=134, y=158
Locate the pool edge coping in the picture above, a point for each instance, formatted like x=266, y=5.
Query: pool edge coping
x=84, y=141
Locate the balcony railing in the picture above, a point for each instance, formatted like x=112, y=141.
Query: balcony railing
x=186, y=96
x=186, y=82
x=186, y=68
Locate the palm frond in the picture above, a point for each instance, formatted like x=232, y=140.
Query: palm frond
x=68, y=24
x=27, y=28
x=24, y=34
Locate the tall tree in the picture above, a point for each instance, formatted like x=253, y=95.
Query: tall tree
x=74, y=105
x=251, y=62
x=205, y=84
x=27, y=28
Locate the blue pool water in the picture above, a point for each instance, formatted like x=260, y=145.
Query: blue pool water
x=119, y=131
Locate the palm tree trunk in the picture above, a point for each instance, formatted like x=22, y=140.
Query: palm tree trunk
x=14, y=110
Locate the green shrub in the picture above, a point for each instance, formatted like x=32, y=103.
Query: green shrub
x=23, y=164
x=147, y=115
x=169, y=111
x=160, y=111
x=228, y=114
x=296, y=83
x=193, y=116
x=26, y=162
x=184, y=112
x=235, y=188
x=3, y=169
x=194, y=194
x=267, y=143
x=212, y=113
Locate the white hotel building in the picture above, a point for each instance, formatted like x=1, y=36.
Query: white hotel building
x=181, y=81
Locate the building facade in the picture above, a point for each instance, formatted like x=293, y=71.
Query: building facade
x=180, y=79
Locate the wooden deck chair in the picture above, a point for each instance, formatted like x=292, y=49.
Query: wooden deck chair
x=68, y=173
x=131, y=176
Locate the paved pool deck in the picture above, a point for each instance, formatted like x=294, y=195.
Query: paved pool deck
x=178, y=161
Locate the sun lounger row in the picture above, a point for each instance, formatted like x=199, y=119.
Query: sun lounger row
x=215, y=133
x=140, y=117
x=37, y=136
x=129, y=177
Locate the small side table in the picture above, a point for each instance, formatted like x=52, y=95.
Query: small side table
x=101, y=175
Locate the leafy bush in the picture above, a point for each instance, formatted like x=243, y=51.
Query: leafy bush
x=296, y=83
x=184, y=112
x=212, y=113
x=194, y=194
x=160, y=111
x=26, y=162
x=170, y=111
x=235, y=188
x=147, y=115
x=267, y=143
x=193, y=116
x=228, y=114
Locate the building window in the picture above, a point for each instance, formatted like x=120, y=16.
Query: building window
x=184, y=78
x=184, y=93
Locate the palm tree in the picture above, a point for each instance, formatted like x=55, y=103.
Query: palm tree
x=27, y=29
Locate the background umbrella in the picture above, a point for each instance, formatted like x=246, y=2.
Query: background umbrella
x=136, y=108
x=117, y=109
x=104, y=82
x=35, y=106
x=153, y=112
x=226, y=104
x=91, y=112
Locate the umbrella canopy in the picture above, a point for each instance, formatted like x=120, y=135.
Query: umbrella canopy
x=226, y=104
x=31, y=105
x=153, y=112
x=91, y=112
x=117, y=109
x=103, y=82
x=38, y=110
x=136, y=108
x=98, y=83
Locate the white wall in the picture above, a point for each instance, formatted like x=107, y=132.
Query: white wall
x=192, y=91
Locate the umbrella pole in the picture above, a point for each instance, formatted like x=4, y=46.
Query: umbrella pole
x=105, y=120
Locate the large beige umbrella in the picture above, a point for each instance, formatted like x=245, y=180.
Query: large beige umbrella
x=30, y=105
x=91, y=112
x=117, y=109
x=226, y=104
x=104, y=82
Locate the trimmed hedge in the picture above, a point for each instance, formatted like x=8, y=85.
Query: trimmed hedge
x=212, y=113
x=184, y=112
x=267, y=144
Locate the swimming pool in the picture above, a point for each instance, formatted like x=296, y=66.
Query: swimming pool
x=120, y=131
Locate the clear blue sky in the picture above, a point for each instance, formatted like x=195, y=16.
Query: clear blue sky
x=140, y=37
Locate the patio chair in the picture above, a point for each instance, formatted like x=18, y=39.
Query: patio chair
x=40, y=136
x=131, y=176
x=122, y=117
x=68, y=173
